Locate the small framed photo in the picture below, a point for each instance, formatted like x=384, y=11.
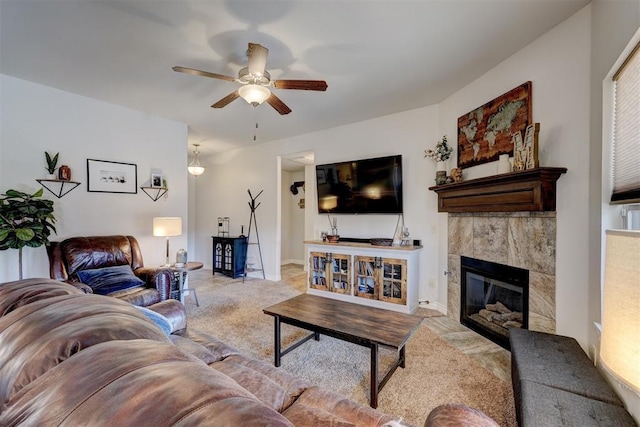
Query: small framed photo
x=156, y=180
x=111, y=177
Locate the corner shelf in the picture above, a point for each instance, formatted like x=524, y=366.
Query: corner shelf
x=60, y=191
x=159, y=192
x=530, y=190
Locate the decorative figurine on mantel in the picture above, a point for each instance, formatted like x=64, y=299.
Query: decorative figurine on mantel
x=456, y=174
x=525, y=152
x=441, y=154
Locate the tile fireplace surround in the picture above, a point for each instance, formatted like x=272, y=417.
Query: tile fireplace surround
x=519, y=239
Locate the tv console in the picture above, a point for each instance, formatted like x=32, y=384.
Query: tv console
x=354, y=271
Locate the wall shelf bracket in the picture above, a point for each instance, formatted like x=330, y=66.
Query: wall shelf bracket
x=154, y=193
x=58, y=187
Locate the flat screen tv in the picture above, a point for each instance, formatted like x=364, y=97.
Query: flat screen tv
x=368, y=186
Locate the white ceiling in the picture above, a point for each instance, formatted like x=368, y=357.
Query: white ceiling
x=378, y=57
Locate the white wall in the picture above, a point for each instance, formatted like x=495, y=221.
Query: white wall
x=37, y=118
x=557, y=64
x=408, y=133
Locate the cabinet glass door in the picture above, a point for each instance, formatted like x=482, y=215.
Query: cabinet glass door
x=318, y=271
x=394, y=281
x=340, y=277
x=228, y=256
x=217, y=256
x=365, y=275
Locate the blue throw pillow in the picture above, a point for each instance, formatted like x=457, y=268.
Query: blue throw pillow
x=157, y=318
x=104, y=281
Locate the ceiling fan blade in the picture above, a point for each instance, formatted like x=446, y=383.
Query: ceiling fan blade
x=226, y=100
x=257, y=55
x=301, y=84
x=202, y=73
x=278, y=105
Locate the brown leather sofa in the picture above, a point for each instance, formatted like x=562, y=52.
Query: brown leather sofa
x=70, y=358
x=70, y=257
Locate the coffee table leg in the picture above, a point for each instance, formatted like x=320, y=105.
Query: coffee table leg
x=374, y=376
x=402, y=358
x=276, y=351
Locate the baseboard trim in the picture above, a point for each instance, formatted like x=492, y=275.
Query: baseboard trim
x=292, y=261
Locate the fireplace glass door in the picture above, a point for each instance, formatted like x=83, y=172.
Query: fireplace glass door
x=494, y=298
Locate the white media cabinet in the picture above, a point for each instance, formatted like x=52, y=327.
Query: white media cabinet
x=377, y=276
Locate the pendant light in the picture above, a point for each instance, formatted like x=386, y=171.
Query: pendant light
x=194, y=167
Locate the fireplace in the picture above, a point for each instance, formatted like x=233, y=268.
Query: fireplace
x=493, y=298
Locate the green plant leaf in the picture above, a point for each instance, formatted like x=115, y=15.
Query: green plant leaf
x=25, y=220
x=25, y=234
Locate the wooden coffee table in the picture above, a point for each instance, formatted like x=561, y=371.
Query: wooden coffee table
x=366, y=326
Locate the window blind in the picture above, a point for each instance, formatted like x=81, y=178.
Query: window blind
x=626, y=131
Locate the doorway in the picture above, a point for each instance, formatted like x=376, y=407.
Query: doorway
x=294, y=203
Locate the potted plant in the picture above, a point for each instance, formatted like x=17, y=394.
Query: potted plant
x=441, y=154
x=52, y=163
x=25, y=220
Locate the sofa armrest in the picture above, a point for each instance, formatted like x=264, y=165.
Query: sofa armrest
x=158, y=278
x=174, y=312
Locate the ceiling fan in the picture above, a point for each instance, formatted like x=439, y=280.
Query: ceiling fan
x=256, y=82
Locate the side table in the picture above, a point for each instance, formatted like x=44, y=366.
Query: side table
x=182, y=274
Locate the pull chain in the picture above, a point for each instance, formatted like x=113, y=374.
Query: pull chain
x=256, y=118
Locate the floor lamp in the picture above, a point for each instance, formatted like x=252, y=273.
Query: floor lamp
x=620, y=342
x=167, y=226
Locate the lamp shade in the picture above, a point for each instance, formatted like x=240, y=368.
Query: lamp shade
x=620, y=343
x=254, y=94
x=166, y=226
x=195, y=168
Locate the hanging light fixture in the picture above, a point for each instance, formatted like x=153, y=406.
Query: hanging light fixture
x=194, y=167
x=254, y=94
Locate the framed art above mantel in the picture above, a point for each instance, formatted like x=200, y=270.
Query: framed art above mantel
x=111, y=177
x=487, y=131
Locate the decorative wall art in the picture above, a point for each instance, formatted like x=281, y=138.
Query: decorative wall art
x=487, y=131
x=156, y=180
x=111, y=177
x=525, y=151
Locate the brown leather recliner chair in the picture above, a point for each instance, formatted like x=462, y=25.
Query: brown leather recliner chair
x=78, y=255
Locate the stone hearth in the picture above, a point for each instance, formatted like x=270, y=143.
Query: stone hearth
x=519, y=239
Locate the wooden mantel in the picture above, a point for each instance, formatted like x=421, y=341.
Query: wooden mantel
x=529, y=190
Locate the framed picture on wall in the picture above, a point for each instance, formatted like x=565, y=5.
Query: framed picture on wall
x=156, y=180
x=104, y=176
x=487, y=131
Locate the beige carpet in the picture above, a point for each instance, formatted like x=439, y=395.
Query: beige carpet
x=435, y=372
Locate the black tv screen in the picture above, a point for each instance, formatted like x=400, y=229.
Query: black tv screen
x=361, y=186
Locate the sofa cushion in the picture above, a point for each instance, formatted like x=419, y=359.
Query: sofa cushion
x=548, y=406
x=45, y=333
x=136, y=383
x=272, y=386
x=556, y=361
x=14, y=295
x=341, y=408
x=106, y=280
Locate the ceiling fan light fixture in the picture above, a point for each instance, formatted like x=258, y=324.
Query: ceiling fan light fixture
x=194, y=167
x=254, y=94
